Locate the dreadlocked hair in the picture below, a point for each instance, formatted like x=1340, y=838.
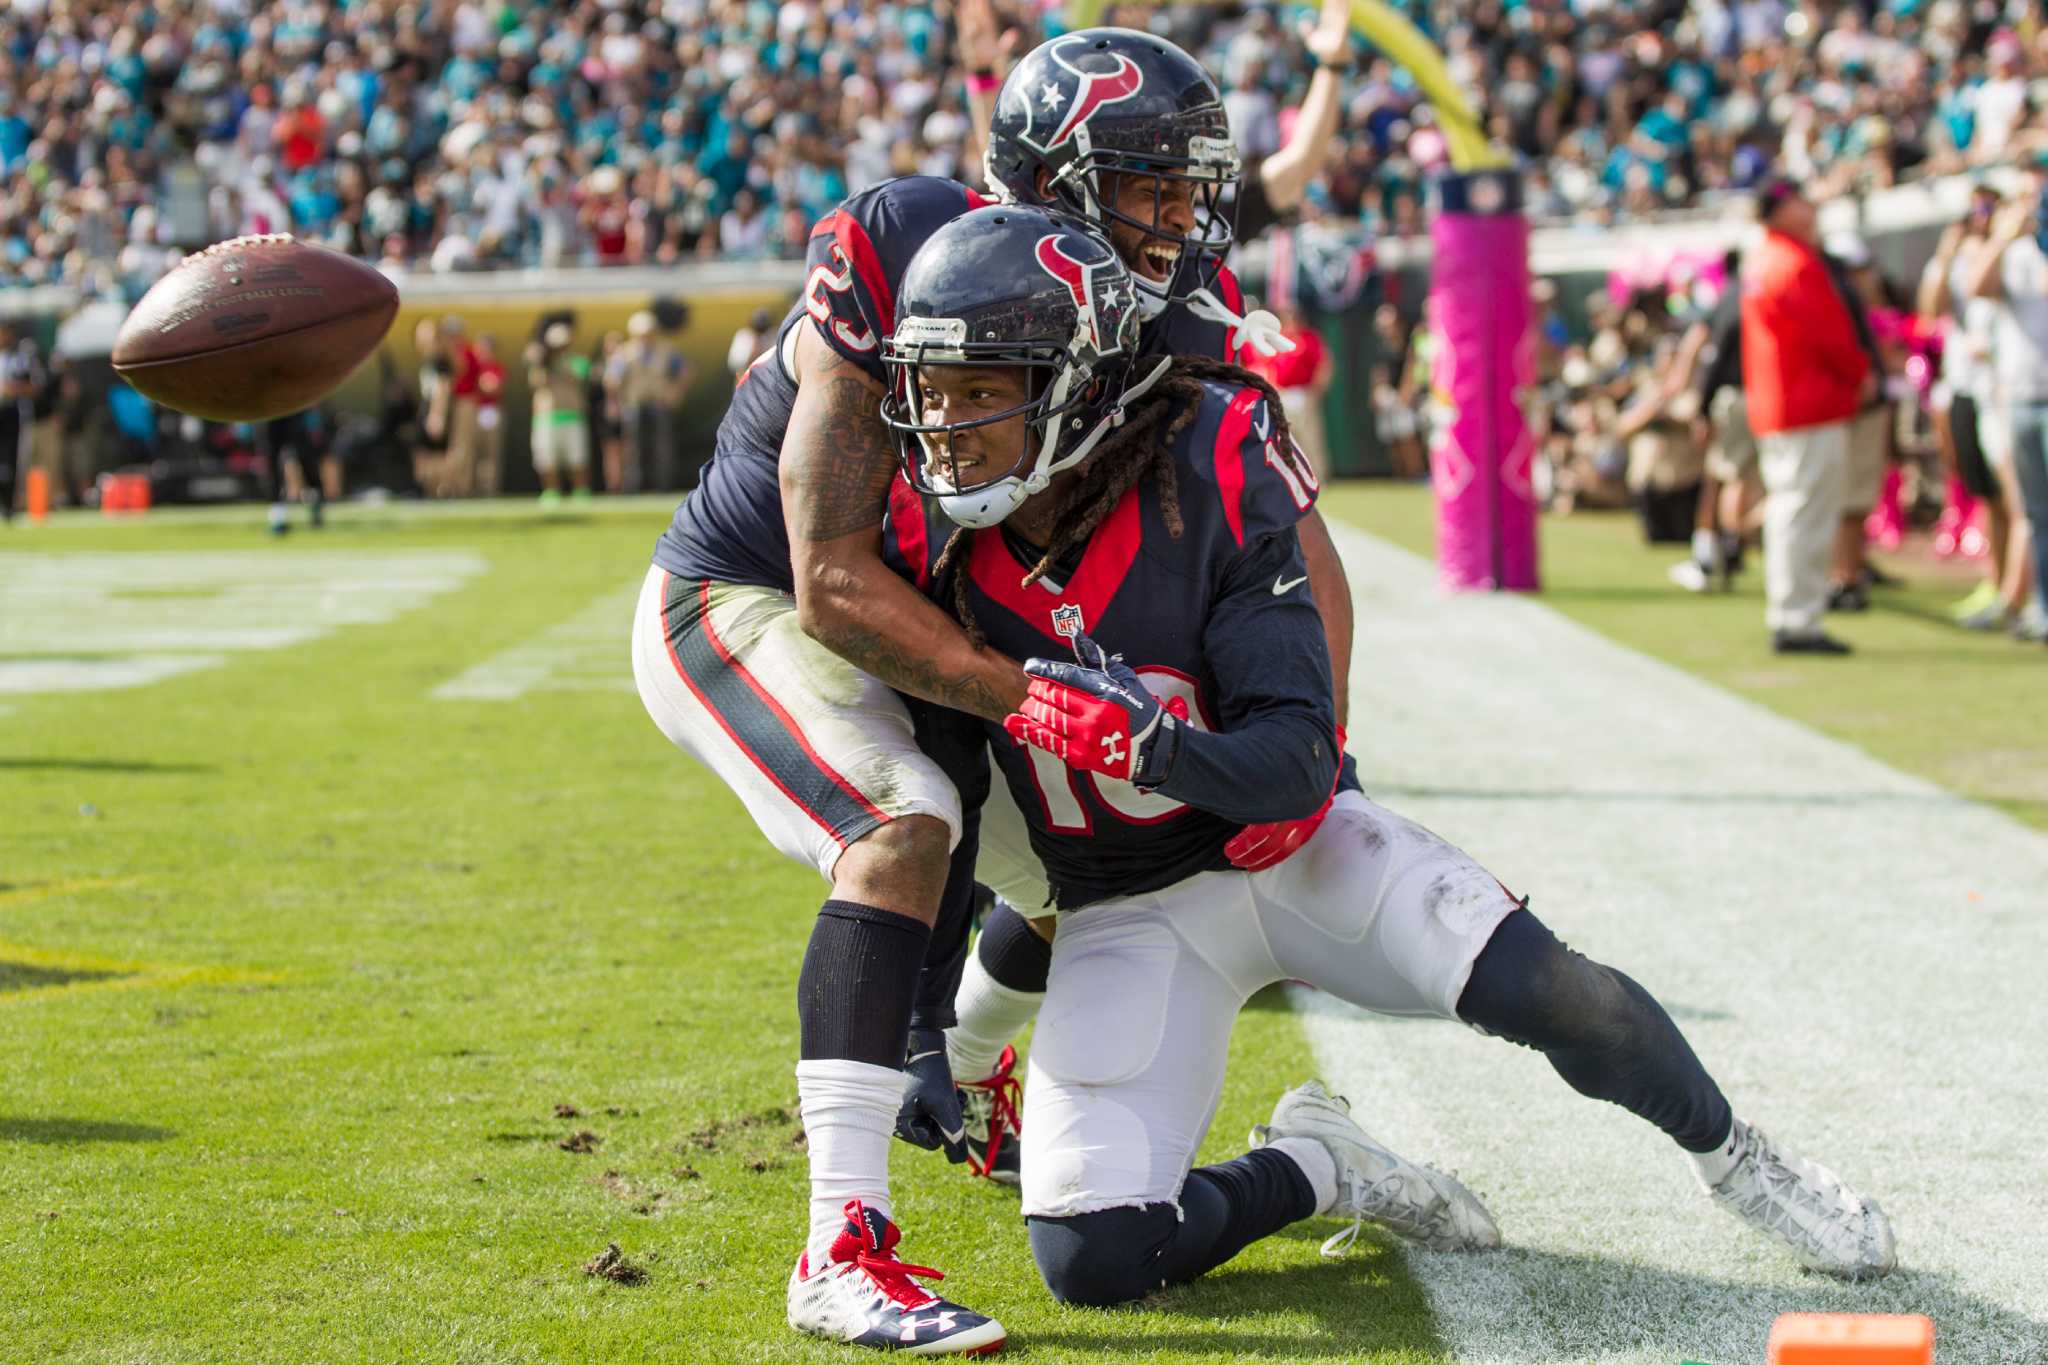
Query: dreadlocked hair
x=1141, y=447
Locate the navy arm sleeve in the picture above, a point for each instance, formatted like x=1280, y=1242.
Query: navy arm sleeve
x=959, y=745
x=1275, y=755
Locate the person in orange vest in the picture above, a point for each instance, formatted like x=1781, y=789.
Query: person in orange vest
x=1804, y=373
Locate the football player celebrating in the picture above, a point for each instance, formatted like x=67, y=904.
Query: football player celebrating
x=772, y=641
x=1161, y=546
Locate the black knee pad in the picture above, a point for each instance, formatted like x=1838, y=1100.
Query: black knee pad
x=1012, y=952
x=1103, y=1258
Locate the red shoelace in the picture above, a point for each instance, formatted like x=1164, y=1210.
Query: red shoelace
x=1006, y=1096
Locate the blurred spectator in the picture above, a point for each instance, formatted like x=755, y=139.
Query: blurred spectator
x=1803, y=372
x=1966, y=401
x=2014, y=268
x=1666, y=464
x=1730, y=486
x=458, y=466
x=1870, y=431
x=490, y=417
x=20, y=368
x=1398, y=388
x=651, y=379
x=1302, y=376
x=561, y=436
x=436, y=381
x=46, y=447
x=285, y=443
x=750, y=342
x=469, y=136
x=607, y=423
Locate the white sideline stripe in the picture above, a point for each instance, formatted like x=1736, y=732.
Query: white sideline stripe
x=1857, y=955
x=91, y=621
x=589, y=652
x=98, y=675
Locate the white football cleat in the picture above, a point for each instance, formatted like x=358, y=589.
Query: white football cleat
x=1416, y=1203
x=865, y=1296
x=1827, y=1225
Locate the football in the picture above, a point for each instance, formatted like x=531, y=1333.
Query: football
x=254, y=328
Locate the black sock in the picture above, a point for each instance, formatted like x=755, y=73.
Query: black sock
x=859, y=979
x=1012, y=952
x=1604, y=1034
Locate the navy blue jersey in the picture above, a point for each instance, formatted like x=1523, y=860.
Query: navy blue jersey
x=730, y=529
x=1220, y=617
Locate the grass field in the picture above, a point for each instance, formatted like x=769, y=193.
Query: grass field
x=370, y=963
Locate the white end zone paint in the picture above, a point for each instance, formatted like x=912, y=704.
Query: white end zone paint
x=589, y=652
x=88, y=622
x=1859, y=957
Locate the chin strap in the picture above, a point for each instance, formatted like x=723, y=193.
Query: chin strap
x=1038, y=481
x=1258, y=329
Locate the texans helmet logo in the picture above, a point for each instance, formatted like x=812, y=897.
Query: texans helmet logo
x=1075, y=276
x=1097, y=88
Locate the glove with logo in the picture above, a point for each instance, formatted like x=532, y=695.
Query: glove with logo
x=1096, y=715
x=930, y=1115
x=1261, y=846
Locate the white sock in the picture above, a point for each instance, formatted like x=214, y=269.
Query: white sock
x=991, y=1017
x=849, y=1111
x=1316, y=1163
x=1714, y=1166
x=1706, y=547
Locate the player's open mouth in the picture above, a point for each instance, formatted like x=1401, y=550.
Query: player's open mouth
x=1156, y=260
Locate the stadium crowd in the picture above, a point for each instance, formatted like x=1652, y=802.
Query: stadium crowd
x=469, y=134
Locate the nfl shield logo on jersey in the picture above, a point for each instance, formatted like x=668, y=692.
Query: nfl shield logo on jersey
x=1066, y=621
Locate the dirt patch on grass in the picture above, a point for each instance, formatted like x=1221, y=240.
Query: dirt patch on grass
x=582, y=1140
x=707, y=1138
x=612, y=1264
x=567, y=1111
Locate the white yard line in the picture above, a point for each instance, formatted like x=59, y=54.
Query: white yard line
x=92, y=621
x=1860, y=958
x=586, y=653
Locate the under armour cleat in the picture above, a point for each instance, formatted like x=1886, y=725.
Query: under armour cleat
x=993, y=1110
x=1419, y=1204
x=1827, y=1225
x=865, y=1296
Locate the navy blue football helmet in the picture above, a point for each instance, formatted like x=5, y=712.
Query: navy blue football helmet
x=1114, y=101
x=1012, y=285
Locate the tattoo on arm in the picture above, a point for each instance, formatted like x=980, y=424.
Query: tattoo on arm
x=844, y=485
x=909, y=672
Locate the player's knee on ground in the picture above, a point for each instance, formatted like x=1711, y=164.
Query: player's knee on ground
x=901, y=865
x=1101, y=1259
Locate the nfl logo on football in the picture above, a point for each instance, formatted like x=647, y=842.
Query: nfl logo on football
x=1066, y=621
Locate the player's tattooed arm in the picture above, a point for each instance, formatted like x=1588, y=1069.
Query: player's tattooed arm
x=1333, y=599
x=837, y=464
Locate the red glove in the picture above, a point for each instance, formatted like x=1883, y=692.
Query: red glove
x=1256, y=847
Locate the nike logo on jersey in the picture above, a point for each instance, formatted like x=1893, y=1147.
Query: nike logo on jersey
x=1282, y=585
x=917, y=1057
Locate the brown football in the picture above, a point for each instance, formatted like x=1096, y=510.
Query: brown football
x=254, y=328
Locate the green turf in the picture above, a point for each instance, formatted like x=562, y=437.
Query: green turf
x=1961, y=709
x=297, y=963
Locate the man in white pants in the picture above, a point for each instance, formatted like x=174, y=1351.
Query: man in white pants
x=1804, y=373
